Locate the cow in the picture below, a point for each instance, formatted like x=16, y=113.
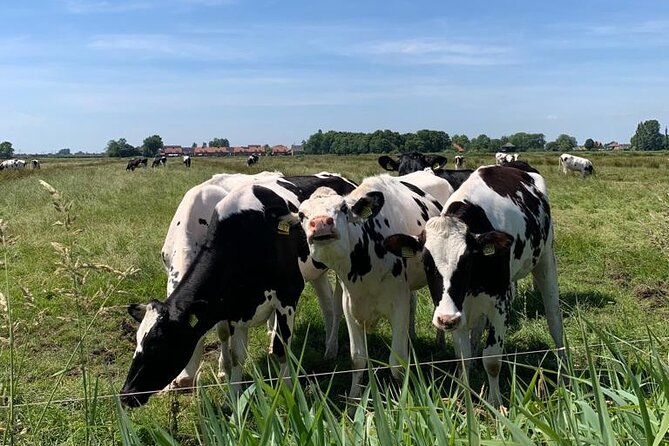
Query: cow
x=247, y=271
x=159, y=160
x=415, y=161
x=186, y=159
x=522, y=165
x=252, y=159
x=35, y=164
x=576, y=163
x=13, y=164
x=347, y=233
x=493, y=231
x=501, y=157
x=135, y=163
x=459, y=162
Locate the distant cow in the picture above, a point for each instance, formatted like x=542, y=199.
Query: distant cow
x=159, y=160
x=136, y=163
x=493, y=231
x=415, y=161
x=13, y=164
x=459, y=162
x=575, y=163
x=35, y=164
x=501, y=157
x=252, y=159
x=347, y=233
x=186, y=160
x=248, y=270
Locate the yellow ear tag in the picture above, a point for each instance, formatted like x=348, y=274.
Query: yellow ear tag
x=489, y=249
x=284, y=227
x=407, y=252
x=192, y=321
x=366, y=212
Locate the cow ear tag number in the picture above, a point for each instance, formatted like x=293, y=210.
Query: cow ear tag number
x=192, y=321
x=366, y=212
x=489, y=249
x=284, y=227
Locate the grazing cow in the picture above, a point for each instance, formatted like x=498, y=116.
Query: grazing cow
x=247, y=271
x=459, y=162
x=252, y=159
x=159, y=160
x=347, y=233
x=493, y=231
x=576, y=163
x=501, y=157
x=35, y=164
x=135, y=163
x=13, y=164
x=415, y=161
x=186, y=160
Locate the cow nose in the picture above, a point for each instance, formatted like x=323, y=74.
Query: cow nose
x=449, y=322
x=321, y=222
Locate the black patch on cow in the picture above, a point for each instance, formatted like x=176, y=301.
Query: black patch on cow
x=472, y=214
x=412, y=162
x=415, y=189
x=283, y=335
x=202, y=221
x=435, y=281
x=419, y=223
x=454, y=177
x=437, y=205
x=424, y=214
x=304, y=186
x=318, y=265
x=361, y=263
x=178, y=223
x=292, y=207
x=386, y=222
x=519, y=248
x=492, y=339
x=397, y=268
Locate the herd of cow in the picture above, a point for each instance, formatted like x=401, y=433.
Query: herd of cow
x=16, y=164
x=240, y=247
x=158, y=161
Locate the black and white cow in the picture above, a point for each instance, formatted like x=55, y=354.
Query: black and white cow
x=415, y=161
x=159, y=160
x=136, y=163
x=576, y=163
x=252, y=159
x=35, y=164
x=347, y=233
x=13, y=164
x=186, y=159
x=246, y=272
x=493, y=231
x=459, y=162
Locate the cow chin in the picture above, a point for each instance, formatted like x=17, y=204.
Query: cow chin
x=131, y=399
x=323, y=237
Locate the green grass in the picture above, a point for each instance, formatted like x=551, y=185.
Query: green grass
x=71, y=341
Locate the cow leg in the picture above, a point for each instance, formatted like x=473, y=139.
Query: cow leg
x=186, y=379
x=545, y=280
x=413, y=299
x=225, y=358
x=400, y=340
x=238, y=343
x=462, y=347
x=358, y=346
x=283, y=329
x=323, y=290
x=492, y=354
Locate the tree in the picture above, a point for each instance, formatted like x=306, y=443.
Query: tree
x=64, y=152
x=481, y=143
x=565, y=143
x=194, y=145
x=204, y=144
x=152, y=145
x=219, y=142
x=461, y=140
x=528, y=141
x=121, y=148
x=6, y=149
x=648, y=136
x=589, y=144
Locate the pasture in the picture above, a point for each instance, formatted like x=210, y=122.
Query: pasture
x=72, y=258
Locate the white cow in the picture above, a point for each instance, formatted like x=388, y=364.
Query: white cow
x=347, y=233
x=13, y=164
x=575, y=163
x=494, y=230
x=186, y=234
x=501, y=158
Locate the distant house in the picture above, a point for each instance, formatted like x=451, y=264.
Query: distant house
x=508, y=147
x=280, y=149
x=173, y=150
x=211, y=151
x=255, y=149
x=297, y=149
x=614, y=145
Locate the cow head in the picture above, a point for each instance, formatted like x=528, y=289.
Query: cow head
x=412, y=162
x=449, y=253
x=166, y=339
x=325, y=217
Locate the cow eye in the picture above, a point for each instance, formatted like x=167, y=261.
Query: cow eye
x=300, y=215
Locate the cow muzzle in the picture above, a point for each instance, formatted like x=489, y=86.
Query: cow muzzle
x=321, y=229
x=132, y=400
x=447, y=322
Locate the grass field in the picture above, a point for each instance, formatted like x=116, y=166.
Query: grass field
x=72, y=258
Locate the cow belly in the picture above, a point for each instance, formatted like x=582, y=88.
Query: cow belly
x=367, y=308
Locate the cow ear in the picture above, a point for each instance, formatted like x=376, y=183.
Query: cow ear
x=405, y=246
x=281, y=218
x=437, y=161
x=367, y=207
x=388, y=163
x=137, y=311
x=493, y=243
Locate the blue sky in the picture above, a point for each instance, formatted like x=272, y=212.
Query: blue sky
x=77, y=73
